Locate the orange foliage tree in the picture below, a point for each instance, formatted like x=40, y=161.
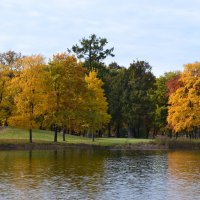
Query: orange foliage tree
x=184, y=103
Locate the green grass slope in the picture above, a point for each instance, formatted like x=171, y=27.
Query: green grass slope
x=17, y=136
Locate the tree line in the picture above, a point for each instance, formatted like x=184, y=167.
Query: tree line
x=77, y=93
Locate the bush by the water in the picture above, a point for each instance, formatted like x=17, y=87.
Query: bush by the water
x=179, y=143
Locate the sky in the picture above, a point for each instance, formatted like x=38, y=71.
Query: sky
x=164, y=33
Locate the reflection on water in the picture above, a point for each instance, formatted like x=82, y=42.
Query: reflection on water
x=184, y=174
x=97, y=174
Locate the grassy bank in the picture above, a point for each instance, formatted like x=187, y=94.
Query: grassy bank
x=13, y=137
x=179, y=143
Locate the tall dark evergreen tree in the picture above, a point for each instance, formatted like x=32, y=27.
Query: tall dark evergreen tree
x=92, y=50
x=137, y=104
x=112, y=77
x=117, y=85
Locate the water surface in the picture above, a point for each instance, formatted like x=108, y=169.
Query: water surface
x=99, y=174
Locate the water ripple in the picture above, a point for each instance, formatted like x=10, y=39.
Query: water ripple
x=89, y=174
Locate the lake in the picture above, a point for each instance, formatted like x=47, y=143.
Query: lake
x=99, y=174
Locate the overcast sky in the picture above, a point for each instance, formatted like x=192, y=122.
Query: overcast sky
x=164, y=33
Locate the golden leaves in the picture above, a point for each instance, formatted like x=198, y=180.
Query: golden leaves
x=97, y=103
x=184, y=109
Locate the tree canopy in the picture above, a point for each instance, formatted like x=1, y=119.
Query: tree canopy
x=184, y=102
x=29, y=95
x=88, y=97
x=92, y=49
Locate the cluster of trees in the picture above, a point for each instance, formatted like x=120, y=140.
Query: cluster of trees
x=59, y=94
x=77, y=93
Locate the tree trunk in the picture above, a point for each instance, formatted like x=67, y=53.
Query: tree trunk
x=130, y=133
x=154, y=131
x=147, y=133
x=92, y=136
x=63, y=136
x=30, y=135
x=118, y=133
x=64, y=132
x=109, y=130
x=194, y=133
x=134, y=133
x=170, y=133
x=55, y=134
x=138, y=130
x=100, y=133
x=190, y=135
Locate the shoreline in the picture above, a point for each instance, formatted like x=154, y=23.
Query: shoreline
x=61, y=146
x=163, y=144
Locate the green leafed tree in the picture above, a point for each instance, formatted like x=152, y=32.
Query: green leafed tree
x=92, y=49
x=137, y=104
x=115, y=84
x=160, y=99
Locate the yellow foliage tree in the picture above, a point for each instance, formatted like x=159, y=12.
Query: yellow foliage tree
x=65, y=87
x=96, y=104
x=184, y=109
x=4, y=103
x=29, y=94
x=8, y=70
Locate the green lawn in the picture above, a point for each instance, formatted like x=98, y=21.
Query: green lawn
x=16, y=135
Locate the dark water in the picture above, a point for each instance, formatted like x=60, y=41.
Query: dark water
x=96, y=174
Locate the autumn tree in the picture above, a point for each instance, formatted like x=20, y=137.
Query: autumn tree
x=8, y=69
x=96, y=103
x=4, y=94
x=9, y=59
x=29, y=94
x=174, y=83
x=184, y=103
x=65, y=86
x=159, y=98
